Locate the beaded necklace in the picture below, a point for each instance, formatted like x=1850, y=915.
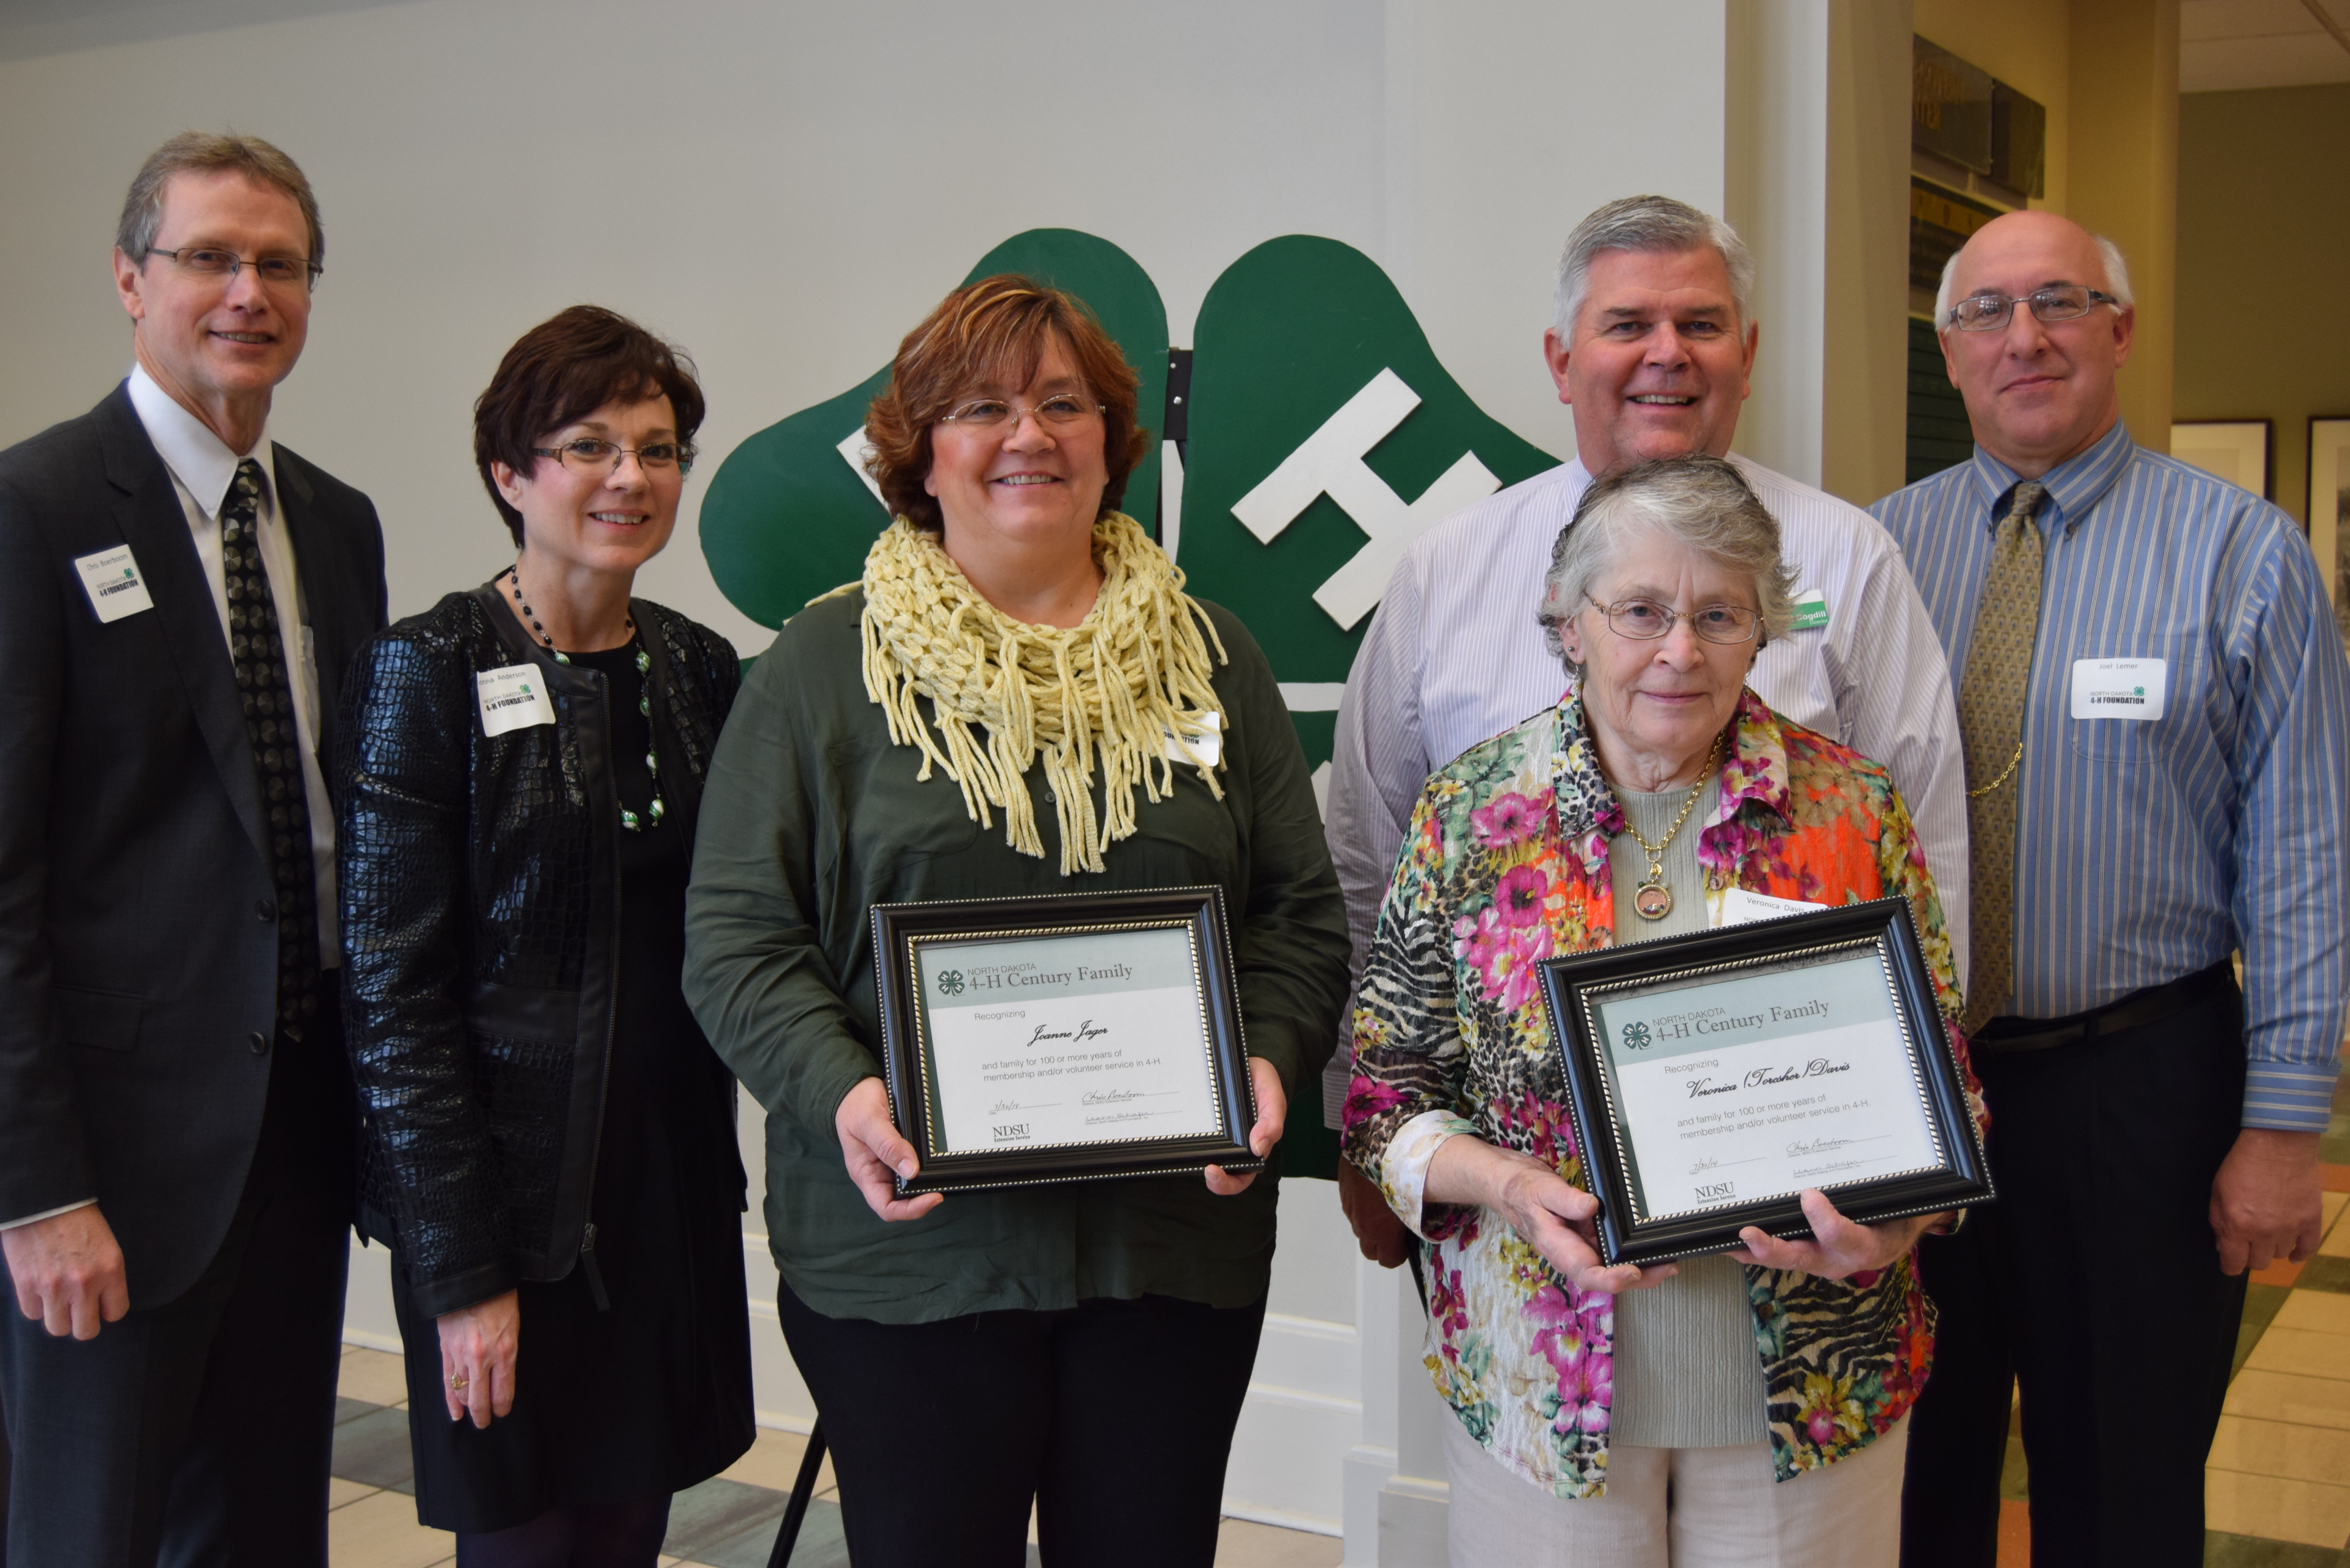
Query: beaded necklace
x=629, y=819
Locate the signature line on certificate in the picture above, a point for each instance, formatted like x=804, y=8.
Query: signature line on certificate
x=1703, y=1166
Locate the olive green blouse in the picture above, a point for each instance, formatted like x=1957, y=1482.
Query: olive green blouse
x=811, y=817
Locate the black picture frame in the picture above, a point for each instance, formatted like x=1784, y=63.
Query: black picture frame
x=900, y=930
x=1574, y=985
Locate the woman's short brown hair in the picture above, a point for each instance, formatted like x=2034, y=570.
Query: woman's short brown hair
x=565, y=368
x=995, y=329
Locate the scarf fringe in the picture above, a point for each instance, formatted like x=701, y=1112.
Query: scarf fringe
x=1106, y=692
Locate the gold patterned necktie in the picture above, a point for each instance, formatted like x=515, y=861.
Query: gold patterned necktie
x=1991, y=726
x=258, y=650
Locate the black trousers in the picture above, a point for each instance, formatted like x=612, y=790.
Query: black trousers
x=2094, y=1285
x=1116, y=1416
x=198, y=1433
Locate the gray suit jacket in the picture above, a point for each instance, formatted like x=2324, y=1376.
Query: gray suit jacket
x=137, y=943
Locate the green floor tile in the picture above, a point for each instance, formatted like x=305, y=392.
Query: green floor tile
x=2324, y=1273
x=821, y=1543
x=373, y=1450
x=2014, y=1482
x=719, y=1510
x=352, y=1410
x=2260, y=1305
x=2250, y=1551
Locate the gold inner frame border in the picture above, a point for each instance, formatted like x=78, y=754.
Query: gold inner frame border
x=921, y=1022
x=1590, y=996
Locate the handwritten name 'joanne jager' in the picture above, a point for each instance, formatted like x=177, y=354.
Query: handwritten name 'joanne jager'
x=1088, y=1029
x=1763, y=1077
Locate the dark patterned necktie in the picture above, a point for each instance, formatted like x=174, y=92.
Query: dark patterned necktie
x=1991, y=732
x=258, y=653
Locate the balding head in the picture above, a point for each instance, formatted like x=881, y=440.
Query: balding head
x=2037, y=392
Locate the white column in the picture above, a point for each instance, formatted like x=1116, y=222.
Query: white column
x=1816, y=179
x=1775, y=92
x=1396, y=1492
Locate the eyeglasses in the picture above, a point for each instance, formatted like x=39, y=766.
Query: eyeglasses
x=1643, y=620
x=2063, y=302
x=591, y=456
x=297, y=273
x=1061, y=410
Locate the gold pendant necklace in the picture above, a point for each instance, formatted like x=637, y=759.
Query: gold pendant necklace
x=1652, y=899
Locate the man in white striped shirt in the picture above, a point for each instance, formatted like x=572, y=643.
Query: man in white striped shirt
x=1652, y=346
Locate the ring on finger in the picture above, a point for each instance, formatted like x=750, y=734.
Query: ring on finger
x=458, y=1381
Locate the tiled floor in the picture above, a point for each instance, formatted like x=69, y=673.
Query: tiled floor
x=2276, y=1490
x=728, y=1522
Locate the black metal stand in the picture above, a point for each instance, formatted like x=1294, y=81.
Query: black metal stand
x=802, y=1489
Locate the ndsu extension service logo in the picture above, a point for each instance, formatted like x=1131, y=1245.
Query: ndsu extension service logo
x=1306, y=438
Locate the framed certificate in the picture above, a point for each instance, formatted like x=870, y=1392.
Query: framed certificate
x=1063, y=1037
x=1714, y=1076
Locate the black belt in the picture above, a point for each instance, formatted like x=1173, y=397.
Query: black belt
x=2010, y=1036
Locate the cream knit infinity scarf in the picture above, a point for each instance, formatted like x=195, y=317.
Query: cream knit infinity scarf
x=1120, y=683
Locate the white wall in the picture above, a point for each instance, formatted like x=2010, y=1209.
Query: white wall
x=786, y=188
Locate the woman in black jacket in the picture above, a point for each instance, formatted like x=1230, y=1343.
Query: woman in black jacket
x=550, y=1145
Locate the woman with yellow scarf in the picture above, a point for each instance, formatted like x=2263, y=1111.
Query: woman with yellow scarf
x=988, y=712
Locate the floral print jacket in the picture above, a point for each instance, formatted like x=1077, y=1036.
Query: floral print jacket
x=1505, y=864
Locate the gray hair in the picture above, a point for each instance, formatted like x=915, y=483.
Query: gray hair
x=1701, y=501
x=201, y=152
x=1653, y=225
x=2118, y=282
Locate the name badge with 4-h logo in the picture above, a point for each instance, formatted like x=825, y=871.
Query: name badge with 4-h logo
x=2119, y=688
x=512, y=698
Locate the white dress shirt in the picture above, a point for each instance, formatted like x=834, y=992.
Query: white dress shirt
x=1455, y=656
x=202, y=469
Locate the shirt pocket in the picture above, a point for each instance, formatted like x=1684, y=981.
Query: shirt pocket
x=1187, y=838
x=907, y=818
x=2127, y=742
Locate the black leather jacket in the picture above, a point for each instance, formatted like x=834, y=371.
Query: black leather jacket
x=480, y=901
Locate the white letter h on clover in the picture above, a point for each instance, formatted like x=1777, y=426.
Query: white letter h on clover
x=1330, y=462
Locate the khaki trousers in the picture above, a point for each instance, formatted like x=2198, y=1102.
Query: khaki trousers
x=1681, y=1507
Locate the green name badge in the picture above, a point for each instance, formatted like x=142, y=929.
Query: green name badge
x=1811, y=610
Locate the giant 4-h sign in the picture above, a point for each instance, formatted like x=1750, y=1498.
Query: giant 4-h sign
x=1305, y=440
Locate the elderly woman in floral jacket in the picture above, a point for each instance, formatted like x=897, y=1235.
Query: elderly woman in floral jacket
x=1655, y=1411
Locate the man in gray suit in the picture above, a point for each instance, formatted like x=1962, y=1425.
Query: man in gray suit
x=180, y=599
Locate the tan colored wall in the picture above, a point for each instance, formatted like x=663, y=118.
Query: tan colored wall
x=2027, y=44
x=2262, y=236
x=2108, y=72
x=1863, y=429
x=2124, y=178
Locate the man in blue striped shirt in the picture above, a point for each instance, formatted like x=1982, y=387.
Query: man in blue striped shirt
x=2153, y=696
